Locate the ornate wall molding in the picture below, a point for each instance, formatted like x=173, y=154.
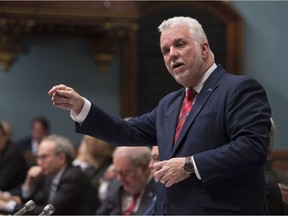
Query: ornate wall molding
x=11, y=31
x=119, y=21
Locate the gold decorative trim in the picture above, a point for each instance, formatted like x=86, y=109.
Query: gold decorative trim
x=7, y=57
x=64, y=13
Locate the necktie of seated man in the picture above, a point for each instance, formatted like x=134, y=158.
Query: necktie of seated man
x=185, y=109
x=52, y=191
x=132, y=206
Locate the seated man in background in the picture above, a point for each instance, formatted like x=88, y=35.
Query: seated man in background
x=13, y=167
x=40, y=127
x=134, y=189
x=55, y=181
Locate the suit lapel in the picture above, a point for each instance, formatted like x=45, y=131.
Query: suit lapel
x=209, y=86
x=172, y=117
x=147, y=197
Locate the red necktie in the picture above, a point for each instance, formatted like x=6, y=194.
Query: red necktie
x=185, y=109
x=132, y=206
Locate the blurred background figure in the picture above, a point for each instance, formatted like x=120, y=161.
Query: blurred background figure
x=274, y=201
x=94, y=156
x=7, y=128
x=284, y=192
x=13, y=167
x=133, y=188
x=40, y=127
x=105, y=181
x=55, y=180
x=154, y=158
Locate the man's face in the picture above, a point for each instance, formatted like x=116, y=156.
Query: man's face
x=129, y=174
x=38, y=131
x=181, y=55
x=50, y=162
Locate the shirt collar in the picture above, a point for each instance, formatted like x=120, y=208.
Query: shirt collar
x=57, y=178
x=203, y=79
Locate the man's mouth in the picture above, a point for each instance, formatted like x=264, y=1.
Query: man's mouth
x=177, y=65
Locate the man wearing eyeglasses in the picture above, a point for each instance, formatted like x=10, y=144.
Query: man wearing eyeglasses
x=133, y=189
x=55, y=181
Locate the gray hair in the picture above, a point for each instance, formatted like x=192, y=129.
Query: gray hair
x=138, y=155
x=196, y=29
x=63, y=145
x=197, y=32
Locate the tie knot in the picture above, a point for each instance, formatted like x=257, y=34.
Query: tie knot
x=136, y=196
x=190, y=94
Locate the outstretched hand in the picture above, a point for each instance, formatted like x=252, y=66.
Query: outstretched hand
x=66, y=98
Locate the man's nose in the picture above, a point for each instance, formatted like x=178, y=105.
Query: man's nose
x=174, y=54
x=119, y=177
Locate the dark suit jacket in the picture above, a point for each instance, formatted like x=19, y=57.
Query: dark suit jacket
x=25, y=145
x=227, y=132
x=13, y=168
x=75, y=195
x=112, y=204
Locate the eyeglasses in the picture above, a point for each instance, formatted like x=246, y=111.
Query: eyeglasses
x=43, y=157
x=123, y=173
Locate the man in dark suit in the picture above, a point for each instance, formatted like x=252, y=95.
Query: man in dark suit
x=215, y=166
x=55, y=181
x=40, y=127
x=13, y=167
x=134, y=180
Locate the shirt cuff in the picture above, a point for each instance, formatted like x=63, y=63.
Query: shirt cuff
x=11, y=205
x=83, y=114
x=195, y=168
x=26, y=192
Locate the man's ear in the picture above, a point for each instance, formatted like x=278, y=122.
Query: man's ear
x=62, y=156
x=204, y=49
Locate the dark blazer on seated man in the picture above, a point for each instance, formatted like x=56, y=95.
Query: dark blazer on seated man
x=112, y=204
x=134, y=189
x=56, y=181
x=13, y=168
x=75, y=195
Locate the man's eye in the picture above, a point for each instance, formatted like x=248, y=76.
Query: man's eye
x=165, y=51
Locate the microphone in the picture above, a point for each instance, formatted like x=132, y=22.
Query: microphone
x=47, y=210
x=27, y=207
